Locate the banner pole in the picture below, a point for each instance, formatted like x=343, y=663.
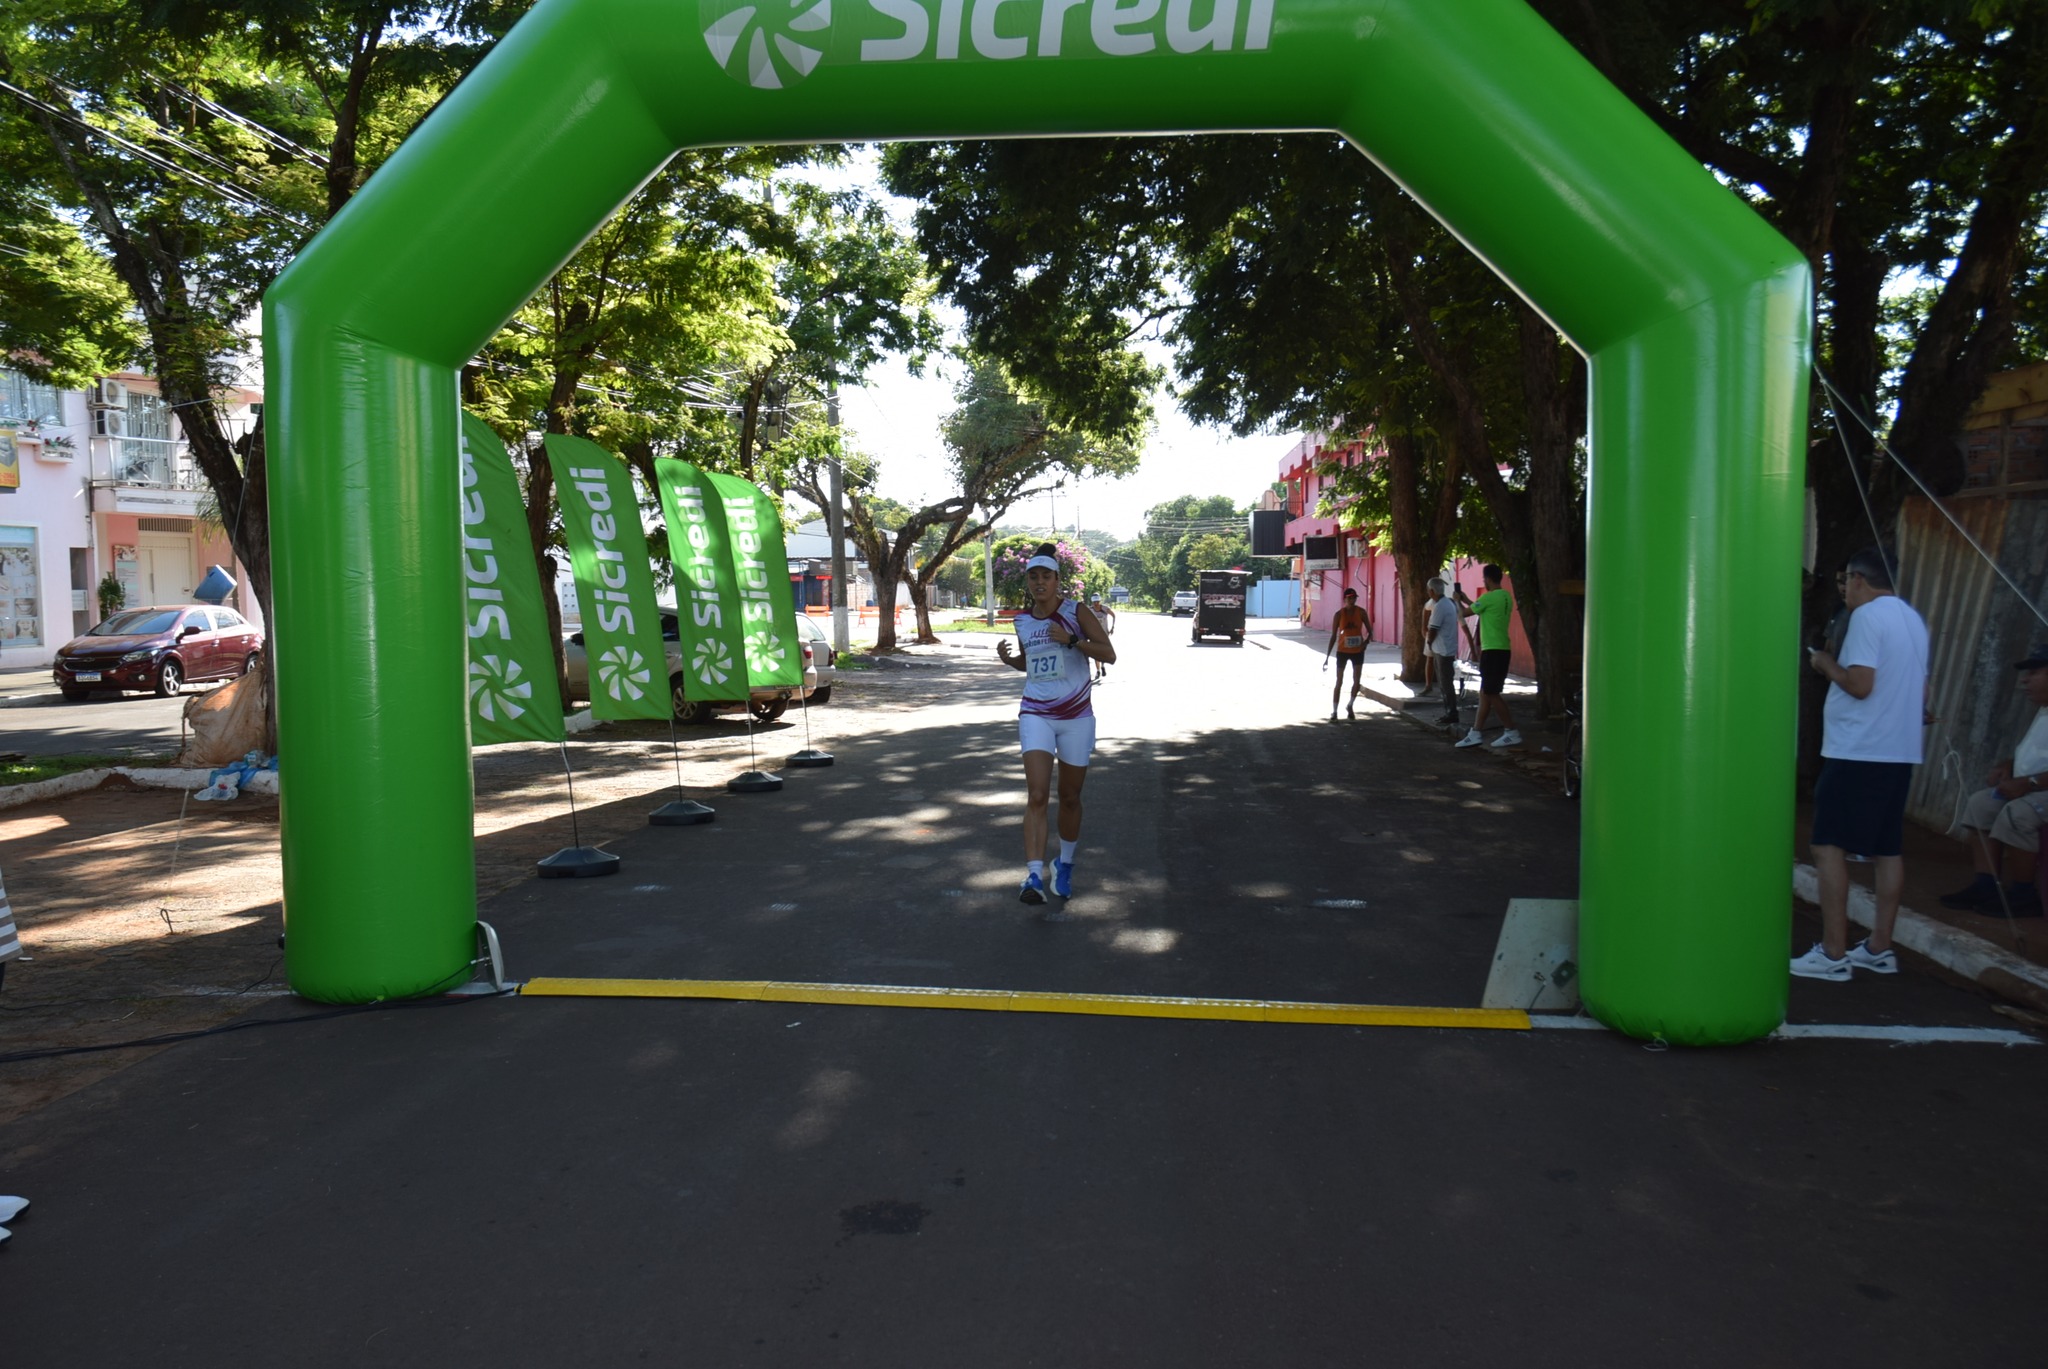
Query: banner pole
x=679, y=811
x=753, y=780
x=577, y=861
x=810, y=757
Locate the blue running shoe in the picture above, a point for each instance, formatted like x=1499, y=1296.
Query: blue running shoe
x=1063, y=878
x=1032, y=890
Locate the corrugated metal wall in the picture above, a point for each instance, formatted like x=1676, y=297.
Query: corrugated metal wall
x=1977, y=627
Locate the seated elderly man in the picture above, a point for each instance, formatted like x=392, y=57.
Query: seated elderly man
x=2011, y=813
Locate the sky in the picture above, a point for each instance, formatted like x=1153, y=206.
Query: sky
x=895, y=417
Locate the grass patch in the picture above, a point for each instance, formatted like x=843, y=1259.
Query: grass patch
x=1002, y=627
x=29, y=769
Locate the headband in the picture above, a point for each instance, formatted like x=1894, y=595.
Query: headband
x=1043, y=563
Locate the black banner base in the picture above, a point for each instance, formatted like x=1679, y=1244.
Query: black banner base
x=809, y=758
x=578, y=862
x=753, y=782
x=680, y=813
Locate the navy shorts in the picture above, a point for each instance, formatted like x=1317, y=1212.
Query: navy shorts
x=1860, y=806
x=1493, y=671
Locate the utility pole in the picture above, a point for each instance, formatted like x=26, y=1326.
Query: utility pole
x=835, y=528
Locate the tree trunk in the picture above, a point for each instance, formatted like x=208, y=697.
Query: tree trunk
x=1557, y=519
x=1418, y=547
x=887, y=575
x=540, y=497
x=920, y=604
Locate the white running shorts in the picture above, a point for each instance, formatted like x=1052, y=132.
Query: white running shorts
x=1070, y=739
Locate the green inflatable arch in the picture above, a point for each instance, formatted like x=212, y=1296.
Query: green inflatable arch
x=1694, y=315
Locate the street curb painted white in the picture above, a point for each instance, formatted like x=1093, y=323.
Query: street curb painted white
x=148, y=777
x=1952, y=948
x=14, y=795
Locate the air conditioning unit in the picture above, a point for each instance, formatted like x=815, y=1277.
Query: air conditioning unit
x=110, y=422
x=112, y=394
x=1355, y=548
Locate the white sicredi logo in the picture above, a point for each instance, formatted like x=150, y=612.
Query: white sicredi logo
x=764, y=653
x=773, y=44
x=623, y=672
x=495, y=688
x=712, y=661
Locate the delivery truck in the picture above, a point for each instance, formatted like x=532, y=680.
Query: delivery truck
x=1219, y=610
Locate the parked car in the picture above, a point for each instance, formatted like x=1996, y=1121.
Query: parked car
x=1184, y=601
x=824, y=657
x=766, y=703
x=161, y=649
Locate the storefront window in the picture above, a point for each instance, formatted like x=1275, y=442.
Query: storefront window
x=21, y=594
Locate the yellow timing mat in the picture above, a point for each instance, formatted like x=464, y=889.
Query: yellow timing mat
x=1005, y=1000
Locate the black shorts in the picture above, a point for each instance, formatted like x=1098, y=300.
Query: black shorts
x=1860, y=806
x=1355, y=658
x=1493, y=671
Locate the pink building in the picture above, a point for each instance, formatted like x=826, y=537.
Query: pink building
x=1359, y=566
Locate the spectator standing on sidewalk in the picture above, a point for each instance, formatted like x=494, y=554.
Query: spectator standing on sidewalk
x=1492, y=609
x=2011, y=813
x=1443, y=647
x=1350, y=634
x=1870, y=742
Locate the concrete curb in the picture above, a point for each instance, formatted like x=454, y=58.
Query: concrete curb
x=148, y=777
x=1952, y=948
x=28, y=700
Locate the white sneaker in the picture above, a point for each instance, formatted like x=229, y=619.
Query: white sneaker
x=10, y=1208
x=1472, y=738
x=1818, y=964
x=1877, y=962
x=1508, y=738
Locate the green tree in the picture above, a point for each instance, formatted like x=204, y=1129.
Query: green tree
x=1298, y=289
x=1904, y=148
x=1002, y=443
x=196, y=147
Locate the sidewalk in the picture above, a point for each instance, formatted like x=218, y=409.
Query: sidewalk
x=28, y=685
x=1961, y=943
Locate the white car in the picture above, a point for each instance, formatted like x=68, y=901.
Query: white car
x=1183, y=602
x=767, y=704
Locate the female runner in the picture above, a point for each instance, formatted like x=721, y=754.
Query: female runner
x=1057, y=719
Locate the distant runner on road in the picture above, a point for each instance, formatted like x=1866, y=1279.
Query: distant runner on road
x=1350, y=632
x=1057, y=717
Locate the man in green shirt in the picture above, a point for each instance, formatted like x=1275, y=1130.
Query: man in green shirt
x=1491, y=609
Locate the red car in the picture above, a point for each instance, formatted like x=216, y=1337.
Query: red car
x=160, y=649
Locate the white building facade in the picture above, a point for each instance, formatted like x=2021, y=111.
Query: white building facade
x=95, y=486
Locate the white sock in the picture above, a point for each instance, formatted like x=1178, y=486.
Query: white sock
x=1035, y=867
x=1067, y=849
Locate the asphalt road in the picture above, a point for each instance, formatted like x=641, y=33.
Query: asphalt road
x=104, y=725
x=570, y=1181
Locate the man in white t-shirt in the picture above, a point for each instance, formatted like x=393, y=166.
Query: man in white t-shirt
x=1870, y=742
x=1442, y=628
x=2011, y=813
